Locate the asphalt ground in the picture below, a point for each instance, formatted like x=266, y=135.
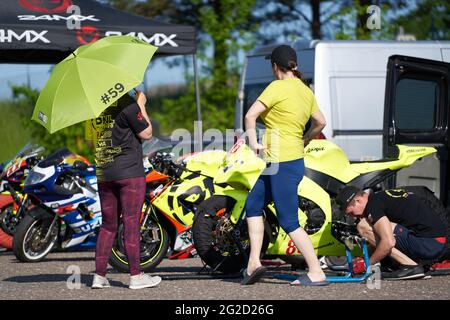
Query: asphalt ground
x=68, y=276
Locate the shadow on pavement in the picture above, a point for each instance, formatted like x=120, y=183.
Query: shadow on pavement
x=196, y=276
x=66, y=259
x=57, y=256
x=50, y=259
x=192, y=273
x=46, y=278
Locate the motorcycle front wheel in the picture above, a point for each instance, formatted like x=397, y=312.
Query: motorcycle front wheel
x=29, y=243
x=153, y=247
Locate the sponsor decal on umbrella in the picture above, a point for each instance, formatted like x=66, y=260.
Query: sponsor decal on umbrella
x=42, y=117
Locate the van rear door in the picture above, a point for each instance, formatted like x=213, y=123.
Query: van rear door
x=416, y=101
x=417, y=108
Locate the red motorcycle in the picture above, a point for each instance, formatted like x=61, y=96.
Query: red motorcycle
x=13, y=203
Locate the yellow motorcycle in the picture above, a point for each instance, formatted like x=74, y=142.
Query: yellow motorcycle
x=219, y=230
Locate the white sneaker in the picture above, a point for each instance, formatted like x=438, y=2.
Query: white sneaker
x=143, y=280
x=100, y=282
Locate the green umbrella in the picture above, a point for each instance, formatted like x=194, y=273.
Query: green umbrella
x=91, y=79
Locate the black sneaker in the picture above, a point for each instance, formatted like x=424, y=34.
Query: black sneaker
x=404, y=272
x=388, y=264
x=427, y=271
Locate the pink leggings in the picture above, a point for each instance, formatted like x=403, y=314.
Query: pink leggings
x=125, y=197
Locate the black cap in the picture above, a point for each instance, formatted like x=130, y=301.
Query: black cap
x=281, y=55
x=346, y=195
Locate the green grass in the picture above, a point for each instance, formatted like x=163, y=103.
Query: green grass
x=13, y=135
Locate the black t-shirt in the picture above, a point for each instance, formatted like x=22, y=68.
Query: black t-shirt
x=406, y=209
x=118, y=152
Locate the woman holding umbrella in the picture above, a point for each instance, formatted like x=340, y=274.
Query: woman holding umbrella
x=118, y=132
x=92, y=82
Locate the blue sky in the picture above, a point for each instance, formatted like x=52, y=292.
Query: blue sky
x=157, y=74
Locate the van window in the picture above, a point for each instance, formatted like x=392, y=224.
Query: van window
x=251, y=93
x=415, y=104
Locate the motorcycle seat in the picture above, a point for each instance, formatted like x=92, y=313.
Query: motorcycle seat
x=392, y=155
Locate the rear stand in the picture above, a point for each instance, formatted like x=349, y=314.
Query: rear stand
x=349, y=276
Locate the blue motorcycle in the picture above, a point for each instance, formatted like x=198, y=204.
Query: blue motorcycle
x=66, y=213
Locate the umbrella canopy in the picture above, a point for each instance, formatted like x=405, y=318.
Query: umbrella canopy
x=36, y=31
x=91, y=79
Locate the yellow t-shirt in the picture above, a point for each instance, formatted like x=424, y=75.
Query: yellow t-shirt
x=290, y=104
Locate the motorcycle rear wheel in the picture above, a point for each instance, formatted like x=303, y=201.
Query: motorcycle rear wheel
x=218, y=250
x=152, y=250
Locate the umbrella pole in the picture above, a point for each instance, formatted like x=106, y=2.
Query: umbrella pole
x=199, y=131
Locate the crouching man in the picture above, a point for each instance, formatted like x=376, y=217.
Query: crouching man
x=397, y=224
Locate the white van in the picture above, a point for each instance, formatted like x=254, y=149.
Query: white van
x=348, y=78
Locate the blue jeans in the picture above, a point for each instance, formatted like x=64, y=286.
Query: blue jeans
x=281, y=188
x=418, y=247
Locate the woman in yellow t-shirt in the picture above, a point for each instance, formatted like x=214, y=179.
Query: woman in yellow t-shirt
x=285, y=107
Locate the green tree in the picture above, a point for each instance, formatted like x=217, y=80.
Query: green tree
x=224, y=30
x=294, y=18
x=430, y=20
x=72, y=137
x=14, y=134
x=351, y=20
x=149, y=8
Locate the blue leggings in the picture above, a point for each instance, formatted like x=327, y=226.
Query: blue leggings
x=281, y=188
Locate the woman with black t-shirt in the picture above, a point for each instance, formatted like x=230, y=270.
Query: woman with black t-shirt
x=117, y=135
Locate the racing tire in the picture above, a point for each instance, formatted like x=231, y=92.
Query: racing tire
x=206, y=244
x=152, y=253
x=30, y=230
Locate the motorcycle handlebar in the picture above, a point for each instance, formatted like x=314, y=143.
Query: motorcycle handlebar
x=164, y=164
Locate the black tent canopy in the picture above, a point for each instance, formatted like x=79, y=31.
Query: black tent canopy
x=41, y=31
x=46, y=31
